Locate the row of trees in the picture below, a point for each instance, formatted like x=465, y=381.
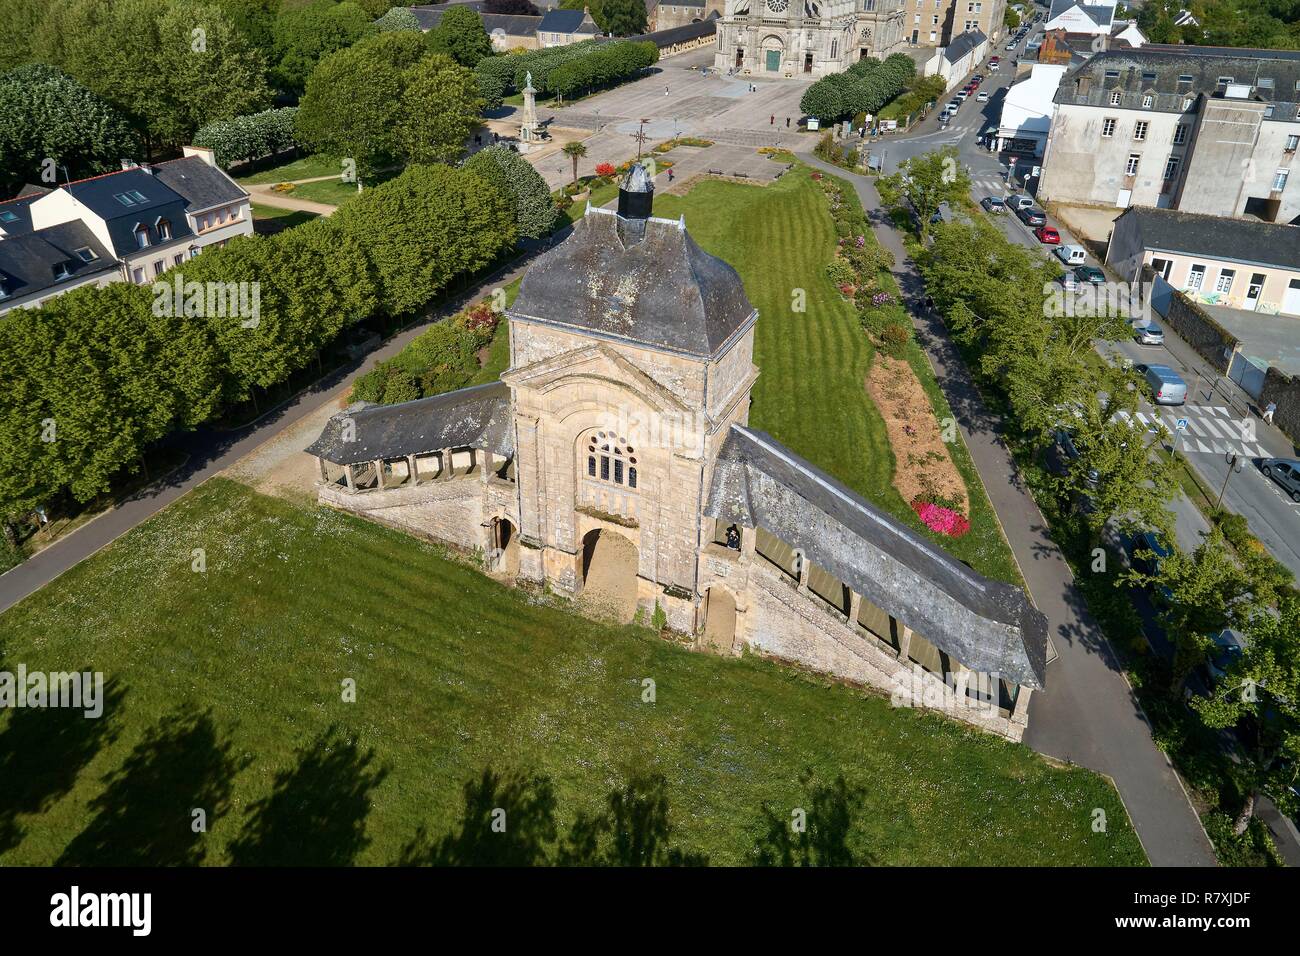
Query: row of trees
x=508, y=71
x=864, y=87
x=606, y=64
x=96, y=375
x=1041, y=362
x=246, y=138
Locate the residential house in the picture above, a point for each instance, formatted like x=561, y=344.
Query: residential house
x=1027, y=110
x=958, y=59
x=1239, y=263
x=1197, y=131
x=562, y=27
x=130, y=225
x=934, y=23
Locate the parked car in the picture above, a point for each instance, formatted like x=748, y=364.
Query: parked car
x=981, y=97
x=1071, y=254
x=1166, y=385
x=1154, y=542
x=1019, y=202
x=1047, y=236
x=962, y=94
x=993, y=65
x=1032, y=217
x=1149, y=334
x=1285, y=471
x=993, y=204
x=1090, y=274
x=1229, y=645
x=1069, y=281
x=977, y=79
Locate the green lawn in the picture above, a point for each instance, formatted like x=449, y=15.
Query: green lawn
x=810, y=392
x=225, y=696
x=272, y=219
x=307, y=167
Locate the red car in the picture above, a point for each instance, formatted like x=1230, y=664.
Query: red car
x=1048, y=236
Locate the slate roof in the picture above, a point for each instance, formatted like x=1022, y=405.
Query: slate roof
x=161, y=202
x=963, y=44
x=666, y=38
x=1100, y=14
x=200, y=185
x=515, y=25
x=661, y=290
x=565, y=21
x=1245, y=240
x=1166, y=69
x=987, y=625
x=28, y=262
x=477, y=417
x=22, y=209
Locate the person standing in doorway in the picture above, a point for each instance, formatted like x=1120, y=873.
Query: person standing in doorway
x=1268, y=412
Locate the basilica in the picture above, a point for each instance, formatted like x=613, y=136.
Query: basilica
x=789, y=38
x=613, y=465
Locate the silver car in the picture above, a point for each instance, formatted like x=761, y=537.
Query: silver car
x=1285, y=471
x=1149, y=334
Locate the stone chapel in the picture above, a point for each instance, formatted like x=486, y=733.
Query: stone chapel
x=613, y=463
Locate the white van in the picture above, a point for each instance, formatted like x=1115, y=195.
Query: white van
x=1071, y=254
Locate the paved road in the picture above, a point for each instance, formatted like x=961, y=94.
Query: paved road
x=1089, y=714
x=210, y=453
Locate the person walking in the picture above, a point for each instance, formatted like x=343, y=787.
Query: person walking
x=787, y=122
x=670, y=174
x=1269, y=409
x=665, y=89
x=772, y=121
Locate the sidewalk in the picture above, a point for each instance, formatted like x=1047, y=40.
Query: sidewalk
x=1088, y=715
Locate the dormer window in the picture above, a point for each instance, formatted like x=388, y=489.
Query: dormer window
x=142, y=236
x=1147, y=101
x=164, y=230
x=1115, y=98
x=4, y=290
x=61, y=272
x=86, y=254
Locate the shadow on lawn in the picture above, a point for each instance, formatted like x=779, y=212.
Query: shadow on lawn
x=43, y=750
x=145, y=816
x=316, y=815
x=510, y=820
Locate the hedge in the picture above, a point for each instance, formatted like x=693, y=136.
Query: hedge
x=615, y=60
x=246, y=138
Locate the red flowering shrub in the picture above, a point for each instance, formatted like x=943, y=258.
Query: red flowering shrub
x=604, y=169
x=941, y=519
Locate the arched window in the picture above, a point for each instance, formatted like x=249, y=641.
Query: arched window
x=611, y=459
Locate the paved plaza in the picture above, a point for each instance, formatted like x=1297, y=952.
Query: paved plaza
x=714, y=106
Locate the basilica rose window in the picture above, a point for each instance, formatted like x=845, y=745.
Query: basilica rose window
x=611, y=459
x=778, y=6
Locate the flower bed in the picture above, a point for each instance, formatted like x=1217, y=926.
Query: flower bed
x=940, y=519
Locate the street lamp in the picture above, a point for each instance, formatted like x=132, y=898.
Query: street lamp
x=1235, y=465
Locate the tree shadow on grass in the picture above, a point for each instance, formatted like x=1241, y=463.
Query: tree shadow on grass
x=316, y=814
x=510, y=820
x=829, y=813
x=42, y=752
x=145, y=816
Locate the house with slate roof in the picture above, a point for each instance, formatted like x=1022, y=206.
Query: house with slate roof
x=131, y=225
x=613, y=463
x=562, y=27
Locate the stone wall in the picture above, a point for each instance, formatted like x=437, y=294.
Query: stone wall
x=1196, y=327
x=1285, y=391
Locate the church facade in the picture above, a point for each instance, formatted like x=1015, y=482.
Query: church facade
x=793, y=38
x=613, y=464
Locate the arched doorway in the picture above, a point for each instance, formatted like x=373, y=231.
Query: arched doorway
x=503, y=556
x=719, y=620
x=609, y=586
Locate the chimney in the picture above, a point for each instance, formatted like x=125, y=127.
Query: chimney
x=129, y=164
x=202, y=152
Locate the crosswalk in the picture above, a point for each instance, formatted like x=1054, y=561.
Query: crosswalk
x=1211, y=430
x=987, y=185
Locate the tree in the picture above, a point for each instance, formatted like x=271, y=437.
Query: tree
x=170, y=66
x=535, y=211
x=822, y=100
x=306, y=35
x=440, y=108
x=46, y=115
x=931, y=179
x=250, y=137
x=622, y=18
x=398, y=18
x=352, y=107
x=18, y=26
x=1260, y=692
x=460, y=35
x=1205, y=592
x=255, y=19
x=574, y=151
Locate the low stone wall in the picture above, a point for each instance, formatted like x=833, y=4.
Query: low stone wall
x=1285, y=391
x=1196, y=327
x=450, y=511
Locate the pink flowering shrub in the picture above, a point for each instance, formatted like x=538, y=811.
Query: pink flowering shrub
x=941, y=519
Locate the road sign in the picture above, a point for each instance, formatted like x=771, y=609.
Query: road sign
x=1182, y=424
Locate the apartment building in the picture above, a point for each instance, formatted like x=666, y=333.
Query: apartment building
x=131, y=225
x=939, y=22
x=1212, y=133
